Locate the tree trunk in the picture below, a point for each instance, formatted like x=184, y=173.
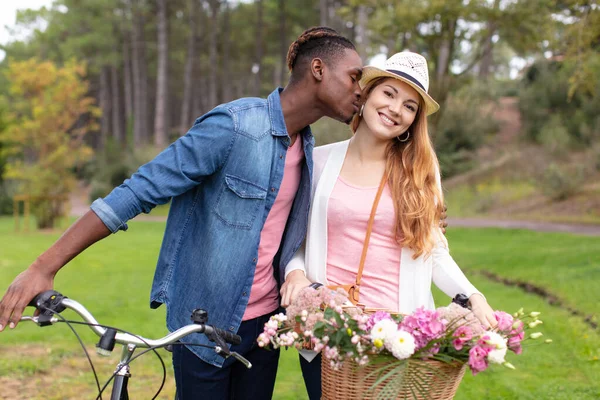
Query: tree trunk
x=117, y=113
x=360, y=31
x=212, y=51
x=140, y=80
x=226, y=91
x=188, y=78
x=487, y=60
x=104, y=94
x=128, y=89
x=283, y=44
x=441, y=85
x=323, y=12
x=161, y=114
x=257, y=67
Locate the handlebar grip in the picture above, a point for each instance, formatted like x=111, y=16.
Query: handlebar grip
x=228, y=336
x=50, y=299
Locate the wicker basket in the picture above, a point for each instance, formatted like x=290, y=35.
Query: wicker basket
x=354, y=382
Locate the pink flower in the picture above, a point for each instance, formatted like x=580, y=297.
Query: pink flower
x=424, y=325
x=505, y=320
x=478, y=359
x=463, y=334
x=515, y=338
x=375, y=318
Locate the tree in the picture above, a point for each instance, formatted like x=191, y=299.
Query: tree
x=49, y=116
x=162, y=78
x=457, y=36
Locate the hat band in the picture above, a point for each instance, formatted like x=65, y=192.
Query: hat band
x=407, y=76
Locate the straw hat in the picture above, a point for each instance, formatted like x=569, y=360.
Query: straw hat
x=407, y=67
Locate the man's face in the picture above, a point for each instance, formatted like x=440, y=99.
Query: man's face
x=340, y=92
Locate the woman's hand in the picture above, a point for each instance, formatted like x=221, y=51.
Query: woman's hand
x=443, y=221
x=482, y=311
x=294, y=283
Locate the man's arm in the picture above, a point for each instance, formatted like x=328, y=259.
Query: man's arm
x=40, y=275
x=183, y=165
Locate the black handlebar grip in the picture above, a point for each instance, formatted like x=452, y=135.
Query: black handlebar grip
x=50, y=299
x=228, y=336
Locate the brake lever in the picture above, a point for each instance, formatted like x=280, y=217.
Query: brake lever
x=47, y=303
x=222, y=349
x=241, y=359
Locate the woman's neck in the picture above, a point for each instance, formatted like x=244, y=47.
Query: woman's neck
x=366, y=148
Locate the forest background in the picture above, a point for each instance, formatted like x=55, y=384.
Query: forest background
x=98, y=87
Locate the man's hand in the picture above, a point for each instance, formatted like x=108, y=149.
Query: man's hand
x=294, y=283
x=25, y=287
x=39, y=276
x=443, y=222
x=482, y=311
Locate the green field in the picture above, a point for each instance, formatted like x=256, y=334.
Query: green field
x=113, y=279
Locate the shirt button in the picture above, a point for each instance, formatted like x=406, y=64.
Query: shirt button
x=281, y=157
x=231, y=328
x=244, y=294
x=254, y=259
x=272, y=189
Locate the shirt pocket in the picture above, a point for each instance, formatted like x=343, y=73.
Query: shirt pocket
x=240, y=202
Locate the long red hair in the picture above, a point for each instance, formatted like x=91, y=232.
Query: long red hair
x=412, y=168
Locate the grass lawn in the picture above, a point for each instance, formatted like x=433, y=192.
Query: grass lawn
x=113, y=279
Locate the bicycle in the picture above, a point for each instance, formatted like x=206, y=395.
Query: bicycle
x=51, y=303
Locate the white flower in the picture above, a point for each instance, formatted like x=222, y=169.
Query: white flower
x=536, y=335
x=495, y=340
x=498, y=344
x=497, y=356
x=383, y=329
x=401, y=344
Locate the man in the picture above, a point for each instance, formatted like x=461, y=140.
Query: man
x=239, y=183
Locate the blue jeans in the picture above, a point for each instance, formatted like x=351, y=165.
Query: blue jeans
x=196, y=379
x=311, y=371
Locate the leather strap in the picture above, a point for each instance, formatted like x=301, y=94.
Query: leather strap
x=353, y=289
x=363, y=257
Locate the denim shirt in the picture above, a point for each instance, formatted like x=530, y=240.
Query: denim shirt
x=222, y=178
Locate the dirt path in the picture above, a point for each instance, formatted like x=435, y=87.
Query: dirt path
x=578, y=229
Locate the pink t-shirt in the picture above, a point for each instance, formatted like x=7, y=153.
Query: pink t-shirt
x=264, y=294
x=348, y=213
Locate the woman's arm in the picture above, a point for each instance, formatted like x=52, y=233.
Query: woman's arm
x=448, y=276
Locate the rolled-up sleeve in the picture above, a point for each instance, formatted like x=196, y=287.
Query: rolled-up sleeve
x=180, y=167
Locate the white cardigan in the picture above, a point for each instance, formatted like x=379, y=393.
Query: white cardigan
x=415, y=275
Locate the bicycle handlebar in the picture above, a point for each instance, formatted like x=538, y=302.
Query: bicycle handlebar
x=51, y=302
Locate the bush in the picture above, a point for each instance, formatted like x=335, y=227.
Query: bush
x=6, y=198
x=546, y=97
x=465, y=124
x=560, y=183
x=554, y=137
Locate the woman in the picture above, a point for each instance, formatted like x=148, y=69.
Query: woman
x=390, y=158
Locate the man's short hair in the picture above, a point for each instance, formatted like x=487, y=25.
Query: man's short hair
x=318, y=42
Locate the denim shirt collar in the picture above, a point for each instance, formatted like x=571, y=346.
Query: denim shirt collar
x=278, y=127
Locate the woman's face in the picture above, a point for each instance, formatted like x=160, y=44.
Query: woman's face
x=391, y=108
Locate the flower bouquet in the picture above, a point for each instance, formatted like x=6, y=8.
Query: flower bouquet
x=422, y=355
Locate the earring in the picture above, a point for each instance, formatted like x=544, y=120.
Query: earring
x=407, y=136
x=362, y=108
